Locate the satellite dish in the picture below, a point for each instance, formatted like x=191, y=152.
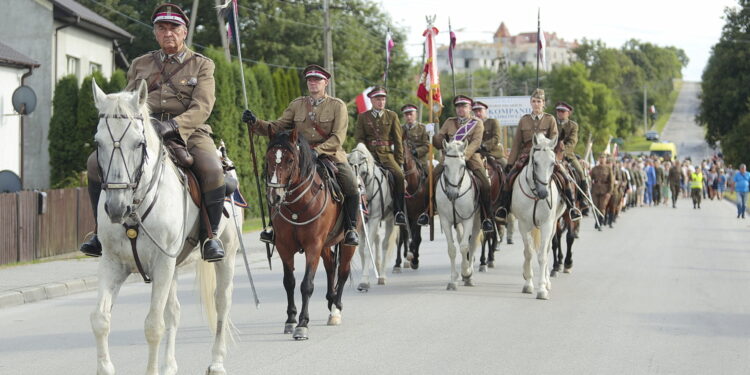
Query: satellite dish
x=9, y=182
x=24, y=100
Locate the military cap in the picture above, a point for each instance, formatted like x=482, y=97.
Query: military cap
x=462, y=99
x=538, y=93
x=313, y=70
x=377, y=91
x=170, y=13
x=480, y=105
x=409, y=108
x=562, y=106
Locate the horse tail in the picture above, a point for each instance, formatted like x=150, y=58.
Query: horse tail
x=536, y=234
x=205, y=277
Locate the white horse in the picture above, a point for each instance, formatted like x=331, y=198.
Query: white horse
x=380, y=208
x=458, y=208
x=143, y=188
x=537, y=204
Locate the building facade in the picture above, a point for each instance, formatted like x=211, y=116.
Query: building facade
x=507, y=49
x=65, y=38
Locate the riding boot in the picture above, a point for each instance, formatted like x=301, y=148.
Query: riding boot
x=213, y=250
x=501, y=214
x=267, y=234
x=398, y=208
x=93, y=247
x=351, y=209
x=575, y=213
x=484, y=201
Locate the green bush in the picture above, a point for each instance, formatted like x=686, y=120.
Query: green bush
x=63, y=151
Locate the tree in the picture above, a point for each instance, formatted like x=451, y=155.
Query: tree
x=87, y=118
x=267, y=90
x=63, y=150
x=117, y=82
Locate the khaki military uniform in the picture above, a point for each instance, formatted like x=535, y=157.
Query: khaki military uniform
x=381, y=133
x=569, y=139
x=418, y=139
x=527, y=127
x=603, y=183
x=491, y=141
x=473, y=160
x=323, y=124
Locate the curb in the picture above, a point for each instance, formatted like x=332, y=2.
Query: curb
x=42, y=292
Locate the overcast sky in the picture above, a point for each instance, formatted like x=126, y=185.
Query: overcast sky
x=692, y=26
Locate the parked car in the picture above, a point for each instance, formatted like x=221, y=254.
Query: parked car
x=652, y=135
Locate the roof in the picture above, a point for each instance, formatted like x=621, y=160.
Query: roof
x=9, y=56
x=70, y=11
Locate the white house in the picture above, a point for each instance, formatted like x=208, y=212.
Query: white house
x=65, y=38
x=15, y=67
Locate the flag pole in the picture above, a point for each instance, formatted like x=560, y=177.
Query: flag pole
x=387, y=60
x=453, y=72
x=538, y=41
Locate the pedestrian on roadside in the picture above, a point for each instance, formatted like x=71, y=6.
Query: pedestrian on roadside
x=741, y=185
x=675, y=180
x=696, y=186
x=650, y=182
x=723, y=177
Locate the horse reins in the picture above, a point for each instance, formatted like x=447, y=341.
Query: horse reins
x=291, y=190
x=444, y=180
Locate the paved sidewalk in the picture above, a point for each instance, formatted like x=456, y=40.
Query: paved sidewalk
x=73, y=273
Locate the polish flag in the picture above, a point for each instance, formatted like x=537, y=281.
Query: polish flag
x=363, y=101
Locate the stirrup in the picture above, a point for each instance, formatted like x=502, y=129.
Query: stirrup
x=351, y=238
x=267, y=235
x=423, y=219
x=400, y=218
x=575, y=214
x=501, y=215
x=487, y=226
x=217, y=254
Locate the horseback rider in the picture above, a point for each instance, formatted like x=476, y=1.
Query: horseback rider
x=530, y=124
x=323, y=121
x=569, y=139
x=180, y=96
x=380, y=131
x=416, y=136
x=470, y=130
x=491, y=147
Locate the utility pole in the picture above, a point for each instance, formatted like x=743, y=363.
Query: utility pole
x=645, y=117
x=193, y=19
x=223, y=31
x=328, y=46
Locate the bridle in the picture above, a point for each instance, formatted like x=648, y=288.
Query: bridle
x=369, y=177
x=291, y=189
x=534, y=177
x=133, y=179
x=444, y=181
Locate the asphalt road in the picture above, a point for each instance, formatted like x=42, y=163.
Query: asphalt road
x=681, y=128
x=664, y=292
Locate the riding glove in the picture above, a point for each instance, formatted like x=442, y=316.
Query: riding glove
x=249, y=117
x=166, y=129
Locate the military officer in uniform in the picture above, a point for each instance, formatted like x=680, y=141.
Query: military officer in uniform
x=603, y=184
x=323, y=121
x=379, y=129
x=473, y=138
x=569, y=138
x=530, y=124
x=418, y=140
x=180, y=97
x=491, y=145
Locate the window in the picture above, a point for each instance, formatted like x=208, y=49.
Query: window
x=94, y=67
x=74, y=66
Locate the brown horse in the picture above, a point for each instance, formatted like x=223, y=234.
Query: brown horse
x=564, y=225
x=416, y=196
x=490, y=241
x=306, y=219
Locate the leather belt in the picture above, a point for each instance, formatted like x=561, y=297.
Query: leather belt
x=162, y=116
x=380, y=143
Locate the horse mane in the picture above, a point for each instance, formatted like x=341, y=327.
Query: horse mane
x=283, y=140
x=363, y=149
x=120, y=104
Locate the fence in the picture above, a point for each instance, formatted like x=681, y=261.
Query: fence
x=34, y=227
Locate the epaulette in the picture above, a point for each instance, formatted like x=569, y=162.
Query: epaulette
x=337, y=100
x=203, y=56
x=299, y=98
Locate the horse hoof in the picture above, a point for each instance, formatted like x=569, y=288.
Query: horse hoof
x=334, y=319
x=510, y=241
x=409, y=256
x=171, y=369
x=396, y=269
x=414, y=264
x=543, y=295
x=468, y=282
x=482, y=268
x=451, y=286
x=106, y=368
x=217, y=369
x=381, y=280
x=407, y=264
x=288, y=328
x=558, y=268
x=300, y=333
x=553, y=273
x=528, y=289
x=491, y=264
x=568, y=270
x=363, y=287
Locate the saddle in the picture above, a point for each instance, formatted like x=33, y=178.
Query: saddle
x=327, y=170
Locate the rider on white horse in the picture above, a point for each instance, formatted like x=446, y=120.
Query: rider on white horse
x=529, y=125
x=180, y=96
x=469, y=129
x=379, y=130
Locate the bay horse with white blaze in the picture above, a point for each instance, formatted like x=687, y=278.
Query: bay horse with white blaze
x=306, y=219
